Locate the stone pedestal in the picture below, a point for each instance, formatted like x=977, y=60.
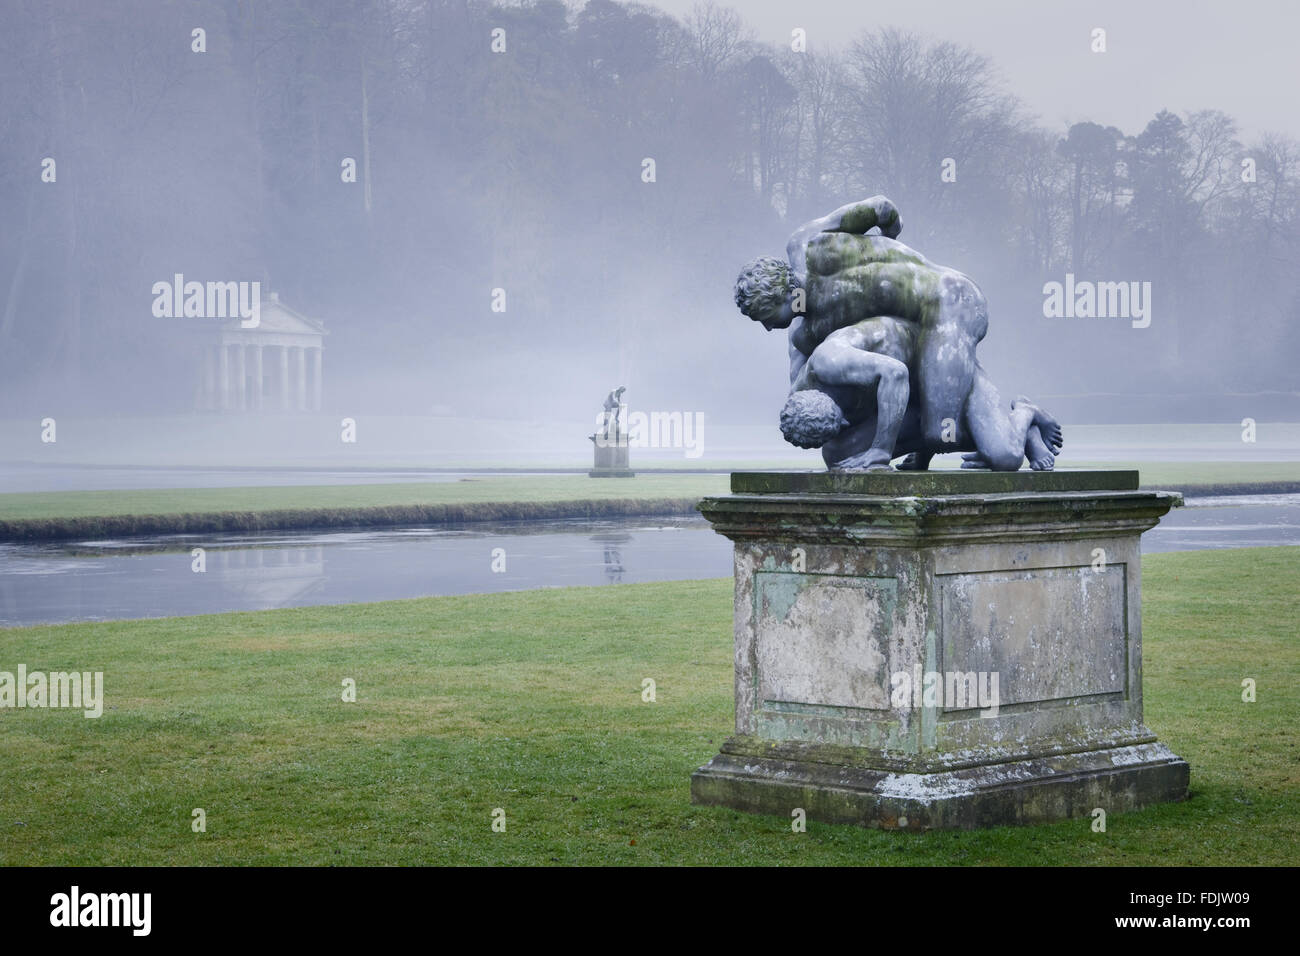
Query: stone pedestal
x=611, y=457
x=1021, y=591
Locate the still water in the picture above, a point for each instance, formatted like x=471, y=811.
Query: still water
x=154, y=577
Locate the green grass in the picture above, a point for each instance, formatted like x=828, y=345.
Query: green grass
x=492, y=488
x=530, y=701
x=1218, y=477
x=1182, y=474
x=1178, y=474
x=84, y=514
x=525, y=488
x=79, y=514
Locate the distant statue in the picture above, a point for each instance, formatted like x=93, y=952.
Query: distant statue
x=611, y=440
x=882, y=351
x=613, y=404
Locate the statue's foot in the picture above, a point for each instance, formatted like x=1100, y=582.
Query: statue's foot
x=975, y=460
x=1040, y=459
x=915, y=462
x=872, y=459
x=1048, y=427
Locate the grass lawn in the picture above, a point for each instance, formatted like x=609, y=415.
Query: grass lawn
x=97, y=514
x=531, y=702
x=490, y=488
x=73, y=514
x=1175, y=475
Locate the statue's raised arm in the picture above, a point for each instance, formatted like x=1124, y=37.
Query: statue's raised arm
x=857, y=218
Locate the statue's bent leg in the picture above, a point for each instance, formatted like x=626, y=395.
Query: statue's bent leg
x=999, y=432
x=838, y=363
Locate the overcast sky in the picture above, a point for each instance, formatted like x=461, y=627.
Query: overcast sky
x=1181, y=54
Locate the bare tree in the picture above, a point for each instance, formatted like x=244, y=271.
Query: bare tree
x=913, y=105
x=1094, y=160
x=718, y=37
x=818, y=81
x=1043, y=215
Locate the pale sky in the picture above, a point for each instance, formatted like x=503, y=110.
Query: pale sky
x=1240, y=57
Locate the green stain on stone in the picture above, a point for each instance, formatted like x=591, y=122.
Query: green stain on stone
x=777, y=592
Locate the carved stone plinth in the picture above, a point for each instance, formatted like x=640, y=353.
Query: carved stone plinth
x=938, y=650
x=611, y=457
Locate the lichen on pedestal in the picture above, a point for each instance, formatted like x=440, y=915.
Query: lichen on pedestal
x=1019, y=592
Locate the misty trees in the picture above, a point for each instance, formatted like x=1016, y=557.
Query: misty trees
x=766, y=100
x=519, y=164
x=146, y=161
x=1161, y=210
x=717, y=38
x=1177, y=168
x=1042, y=220
x=1257, y=222
x=1268, y=213
x=819, y=129
x=914, y=105
x=1094, y=157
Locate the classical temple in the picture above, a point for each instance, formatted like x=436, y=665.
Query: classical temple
x=275, y=367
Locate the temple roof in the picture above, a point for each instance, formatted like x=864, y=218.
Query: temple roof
x=278, y=317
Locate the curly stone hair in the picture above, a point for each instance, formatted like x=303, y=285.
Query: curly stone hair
x=811, y=418
x=763, y=286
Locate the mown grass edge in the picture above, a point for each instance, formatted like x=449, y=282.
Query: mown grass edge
x=307, y=519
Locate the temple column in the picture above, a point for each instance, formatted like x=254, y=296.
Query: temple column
x=315, y=379
x=257, y=377
x=284, y=378
x=223, y=375
x=207, y=379
x=302, y=379
x=214, y=377
x=241, y=369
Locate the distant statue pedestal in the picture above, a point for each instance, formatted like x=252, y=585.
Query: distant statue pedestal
x=611, y=438
x=938, y=650
x=611, y=459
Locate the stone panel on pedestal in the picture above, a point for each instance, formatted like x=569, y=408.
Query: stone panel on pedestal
x=938, y=649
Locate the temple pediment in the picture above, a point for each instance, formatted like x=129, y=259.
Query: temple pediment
x=276, y=319
x=274, y=365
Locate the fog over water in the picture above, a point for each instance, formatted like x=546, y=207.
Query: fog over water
x=493, y=230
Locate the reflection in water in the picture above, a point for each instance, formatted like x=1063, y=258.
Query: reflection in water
x=270, y=577
x=154, y=577
x=613, y=556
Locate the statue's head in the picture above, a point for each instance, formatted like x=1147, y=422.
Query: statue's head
x=811, y=418
x=763, y=291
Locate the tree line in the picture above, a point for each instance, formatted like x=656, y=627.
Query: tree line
x=505, y=147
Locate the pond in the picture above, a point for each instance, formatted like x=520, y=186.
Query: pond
x=155, y=577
